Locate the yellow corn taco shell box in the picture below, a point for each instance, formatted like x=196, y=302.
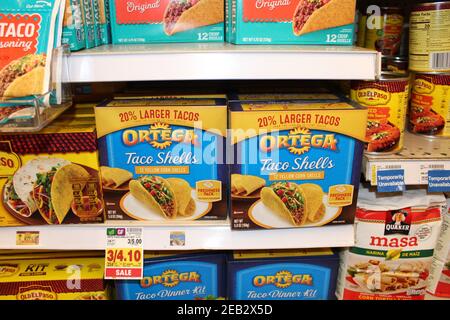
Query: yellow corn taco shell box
x=51, y=177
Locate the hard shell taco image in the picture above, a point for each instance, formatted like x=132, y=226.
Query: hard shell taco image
x=314, y=15
x=114, y=177
x=156, y=193
x=246, y=184
x=23, y=77
x=183, y=196
x=314, y=197
x=182, y=15
x=52, y=191
x=288, y=200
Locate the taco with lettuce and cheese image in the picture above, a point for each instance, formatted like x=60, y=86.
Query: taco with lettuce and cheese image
x=315, y=15
x=288, y=200
x=23, y=77
x=183, y=15
x=245, y=184
x=183, y=196
x=314, y=197
x=156, y=193
x=53, y=191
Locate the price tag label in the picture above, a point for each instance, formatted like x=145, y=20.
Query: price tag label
x=124, y=257
x=391, y=180
x=439, y=181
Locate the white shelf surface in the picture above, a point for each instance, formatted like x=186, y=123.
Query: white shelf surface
x=222, y=61
x=220, y=237
x=419, y=155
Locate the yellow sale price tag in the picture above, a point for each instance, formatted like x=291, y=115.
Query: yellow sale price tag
x=124, y=258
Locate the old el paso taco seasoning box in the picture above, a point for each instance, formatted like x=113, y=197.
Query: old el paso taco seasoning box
x=291, y=21
x=53, y=279
x=147, y=21
x=394, y=241
x=51, y=177
x=198, y=276
x=162, y=160
x=282, y=275
x=295, y=164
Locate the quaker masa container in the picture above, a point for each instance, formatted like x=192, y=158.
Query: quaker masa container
x=169, y=276
x=282, y=275
x=429, y=112
x=387, y=103
x=429, y=41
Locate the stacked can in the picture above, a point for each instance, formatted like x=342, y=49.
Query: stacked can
x=429, y=59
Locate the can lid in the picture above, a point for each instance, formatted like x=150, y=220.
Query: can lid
x=393, y=76
x=430, y=4
x=433, y=73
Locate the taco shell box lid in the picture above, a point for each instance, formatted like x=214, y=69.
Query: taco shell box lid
x=177, y=276
x=48, y=279
x=291, y=22
x=162, y=160
x=46, y=165
x=296, y=162
x=282, y=274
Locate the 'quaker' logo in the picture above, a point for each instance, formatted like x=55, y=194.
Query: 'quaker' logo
x=298, y=141
x=160, y=136
x=283, y=279
x=36, y=293
x=397, y=222
x=373, y=97
x=170, y=278
x=423, y=86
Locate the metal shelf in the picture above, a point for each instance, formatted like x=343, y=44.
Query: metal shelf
x=419, y=155
x=222, y=61
x=218, y=237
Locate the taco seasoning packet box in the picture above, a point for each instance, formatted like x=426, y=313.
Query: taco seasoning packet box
x=294, y=164
x=53, y=279
x=282, y=274
x=29, y=31
x=51, y=177
x=89, y=23
x=162, y=160
x=137, y=21
x=395, y=236
x=73, y=31
x=291, y=21
x=170, y=276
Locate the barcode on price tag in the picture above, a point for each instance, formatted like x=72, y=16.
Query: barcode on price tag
x=124, y=256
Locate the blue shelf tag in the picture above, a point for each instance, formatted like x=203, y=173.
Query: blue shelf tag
x=439, y=181
x=391, y=180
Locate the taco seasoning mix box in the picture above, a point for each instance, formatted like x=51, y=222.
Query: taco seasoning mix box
x=162, y=160
x=282, y=275
x=294, y=164
x=137, y=21
x=73, y=31
x=197, y=276
x=291, y=21
x=394, y=241
x=89, y=23
x=51, y=177
x=53, y=279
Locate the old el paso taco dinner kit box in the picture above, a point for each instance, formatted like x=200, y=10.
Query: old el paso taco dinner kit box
x=196, y=276
x=53, y=279
x=147, y=21
x=295, y=164
x=282, y=275
x=290, y=21
x=51, y=177
x=162, y=160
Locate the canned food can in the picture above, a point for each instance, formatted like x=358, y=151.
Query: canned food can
x=429, y=40
x=395, y=64
x=361, y=37
x=429, y=112
x=387, y=38
x=387, y=102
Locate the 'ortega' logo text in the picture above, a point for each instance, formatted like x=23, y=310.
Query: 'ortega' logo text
x=423, y=86
x=170, y=278
x=159, y=136
x=283, y=279
x=373, y=97
x=299, y=141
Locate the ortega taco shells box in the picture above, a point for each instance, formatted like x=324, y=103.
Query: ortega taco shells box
x=294, y=164
x=147, y=21
x=291, y=21
x=50, y=177
x=162, y=160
